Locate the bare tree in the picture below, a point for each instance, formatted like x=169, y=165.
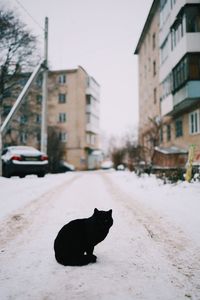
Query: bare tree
x=17, y=51
x=152, y=138
x=127, y=151
x=55, y=149
x=18, y=55
x=118, y=155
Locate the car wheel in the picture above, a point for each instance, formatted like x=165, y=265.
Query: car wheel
x=41, y=174
x=22, y=175
x=6, y=173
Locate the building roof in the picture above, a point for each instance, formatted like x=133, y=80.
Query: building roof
x=147, y=23
x=63, y=71
x=72, y=71
x=171, y=150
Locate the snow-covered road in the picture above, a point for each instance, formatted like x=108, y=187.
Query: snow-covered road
x=146, y=255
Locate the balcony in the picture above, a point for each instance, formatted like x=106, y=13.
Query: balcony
x=92, y=128
x=187, y=96
x=93, y=88
x=93, y=92
x=190, y=43
x=167, y=105
x=182, y=100
x=93, y=109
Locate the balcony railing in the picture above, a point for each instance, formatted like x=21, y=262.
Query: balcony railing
x=92, y=128
x=93, y=109
x=183, y=99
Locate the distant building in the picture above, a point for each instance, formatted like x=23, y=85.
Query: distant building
x=73, y=107
x=73, y=111
x=172, y=95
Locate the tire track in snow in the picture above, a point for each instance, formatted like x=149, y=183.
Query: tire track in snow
x=129, y=264
x=17, y=222
x=182, y=254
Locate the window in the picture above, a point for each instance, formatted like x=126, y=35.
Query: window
x=187, y=69
x=88, y=99
x=167, y=86
x=23, y=137
x=62, y=78
x=194, y=122
x=93, y=139
x=6, y=110
x=154, y=68
x=180, y=73
x=90, y=139
x=39, y=81
x=194, y=66
x=61, y=98
x=164, y=50
x=92, y=119
x=23, y=119
x=39, y=99
x=149, y=64
x=179, y=127
x=62, y=118
x=164, y=11
x=23, y=81
x=38, y=119
x=177, y=30
x=154, y=41
x=161, y=134
x=168, y=132
x=63, y=137
x=155, y=95
x=192, y=13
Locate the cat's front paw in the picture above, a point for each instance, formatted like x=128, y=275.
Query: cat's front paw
x=93, y=258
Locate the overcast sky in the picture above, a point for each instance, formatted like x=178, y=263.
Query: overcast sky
x=100, y=36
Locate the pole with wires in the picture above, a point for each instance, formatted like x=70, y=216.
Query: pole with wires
x=43, y=145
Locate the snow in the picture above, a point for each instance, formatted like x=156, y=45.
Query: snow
x=151, y=252
x=179, y=202
x=16, y=192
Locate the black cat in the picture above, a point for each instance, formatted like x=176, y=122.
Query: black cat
x=75, y=241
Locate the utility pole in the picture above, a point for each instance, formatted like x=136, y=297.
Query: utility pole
x=1, y=144
x=43, y=145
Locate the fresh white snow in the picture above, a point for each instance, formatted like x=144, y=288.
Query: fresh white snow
x=151, y=252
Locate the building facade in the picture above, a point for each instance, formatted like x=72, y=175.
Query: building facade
x=72, y=112
x=73, y=108
x=178, y=83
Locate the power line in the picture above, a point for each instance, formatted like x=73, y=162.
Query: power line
x=33, y=19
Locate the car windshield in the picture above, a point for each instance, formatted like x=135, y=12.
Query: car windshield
x=22, y=148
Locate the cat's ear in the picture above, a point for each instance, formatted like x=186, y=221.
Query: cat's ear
x=110, y=212
x=95, y=210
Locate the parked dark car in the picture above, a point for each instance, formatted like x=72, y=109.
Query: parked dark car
x=65, y=167
x=23, y=160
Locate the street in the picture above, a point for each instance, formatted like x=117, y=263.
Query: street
x=144, y=256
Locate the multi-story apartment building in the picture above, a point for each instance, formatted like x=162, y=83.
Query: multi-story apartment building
x=179, y=77
x=73, y=107
x=148, y=68
x=72, y=110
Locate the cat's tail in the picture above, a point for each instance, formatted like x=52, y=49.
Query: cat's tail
x=82, y=260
